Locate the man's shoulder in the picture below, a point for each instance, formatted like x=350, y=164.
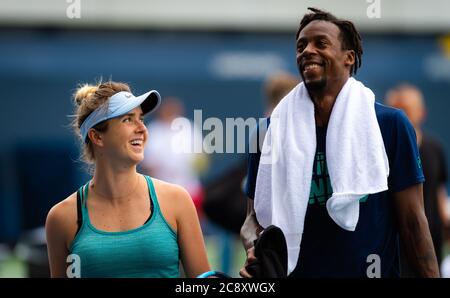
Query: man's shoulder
x=259, y=132
x=257, y=136
x=387, y=113
x=386, y=116
x=389, y=117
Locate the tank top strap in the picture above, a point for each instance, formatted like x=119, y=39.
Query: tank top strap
x=153, y=197
x=84, y=194
x=81, y=202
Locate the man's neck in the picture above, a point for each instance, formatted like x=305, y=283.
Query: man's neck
x=324, y=102
x=322, y=109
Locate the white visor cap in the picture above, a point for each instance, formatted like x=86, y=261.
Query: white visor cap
x=119, y=104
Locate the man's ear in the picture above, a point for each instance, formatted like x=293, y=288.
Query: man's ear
x=349, y=58
x=95, y=137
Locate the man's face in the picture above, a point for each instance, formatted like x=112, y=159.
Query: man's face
x=320, y=58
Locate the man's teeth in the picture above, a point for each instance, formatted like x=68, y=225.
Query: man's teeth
x=311, y=66
x=136, y=142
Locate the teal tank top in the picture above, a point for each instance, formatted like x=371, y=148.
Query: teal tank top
x=148, y=251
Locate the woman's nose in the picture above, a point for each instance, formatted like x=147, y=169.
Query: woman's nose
x=141, y=126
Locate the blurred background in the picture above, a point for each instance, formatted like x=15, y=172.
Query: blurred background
x=212, y=55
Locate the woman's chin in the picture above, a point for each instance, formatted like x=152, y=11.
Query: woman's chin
x=137, y=158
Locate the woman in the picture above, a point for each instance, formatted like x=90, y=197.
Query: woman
x=122, y=223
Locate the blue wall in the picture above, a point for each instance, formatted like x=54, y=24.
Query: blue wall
x=220, y=73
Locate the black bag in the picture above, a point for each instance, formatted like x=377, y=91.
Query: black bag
x=225, y=203
x=271, y=255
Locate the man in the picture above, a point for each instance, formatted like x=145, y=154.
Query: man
x=328, y=52
x=410, y=99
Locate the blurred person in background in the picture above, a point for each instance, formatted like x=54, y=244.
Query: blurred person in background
x=276, y=87
x=225, y=201
x=171, y=154
x=122, y=223
x=410, y=99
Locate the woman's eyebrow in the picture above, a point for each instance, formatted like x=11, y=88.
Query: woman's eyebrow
x=132, y=114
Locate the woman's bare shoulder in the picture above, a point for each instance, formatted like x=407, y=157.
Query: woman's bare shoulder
x=174, y=193
x=64, y=208
x=171, y=191
x=62, y=218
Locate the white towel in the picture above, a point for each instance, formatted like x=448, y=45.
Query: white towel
x=355, y=153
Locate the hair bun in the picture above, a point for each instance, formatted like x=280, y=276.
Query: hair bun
x=84, y=92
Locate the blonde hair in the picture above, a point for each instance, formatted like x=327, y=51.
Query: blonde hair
x=88, y=98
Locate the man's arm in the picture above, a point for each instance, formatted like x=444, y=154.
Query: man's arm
x=249, y=233
x=250, y=229
x=414, y=231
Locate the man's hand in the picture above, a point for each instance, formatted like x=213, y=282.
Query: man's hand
x=250, y=259
x=249, y=233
